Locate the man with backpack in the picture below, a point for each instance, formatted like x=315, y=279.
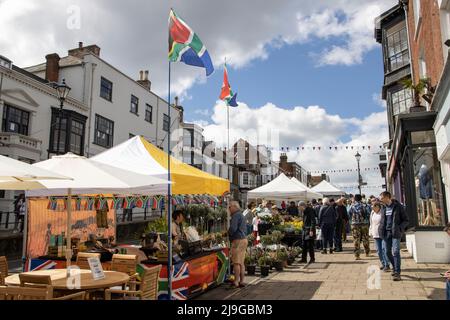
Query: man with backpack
x=359, y=216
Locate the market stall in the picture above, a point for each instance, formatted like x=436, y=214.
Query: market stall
x=328, y=189
x=282, y=188
x=52, y=234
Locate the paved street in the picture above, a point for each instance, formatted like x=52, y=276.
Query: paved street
x=339, y=276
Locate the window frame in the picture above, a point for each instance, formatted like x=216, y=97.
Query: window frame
x=109, y=97
x=166, y=121
x=110, y=142
x=401, y=54
x=70, y=117
x=147, y=112
x=134, y=101
x=7, y=108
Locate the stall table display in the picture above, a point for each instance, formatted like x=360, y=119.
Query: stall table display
x=192, y=275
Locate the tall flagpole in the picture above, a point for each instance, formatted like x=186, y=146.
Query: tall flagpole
x=228, y=148
x=169, y=203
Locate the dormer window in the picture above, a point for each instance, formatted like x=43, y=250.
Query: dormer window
x=5, y=62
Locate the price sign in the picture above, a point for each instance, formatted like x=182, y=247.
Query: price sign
x=96, y=268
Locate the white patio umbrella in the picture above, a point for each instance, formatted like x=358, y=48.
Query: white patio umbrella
x=91, y=177
x=18, y=175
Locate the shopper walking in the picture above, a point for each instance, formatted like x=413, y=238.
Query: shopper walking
x=327, y=222
x=238, y=239
x=341, y=221
x=393, y=227
x=359, y=218
x=376, y=216
x=309, y=232
x=248, y=215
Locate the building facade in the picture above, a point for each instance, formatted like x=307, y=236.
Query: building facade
x=409, y=33
x=104, y=108
x=29, y=107
x=293, y=169
x=119, y=106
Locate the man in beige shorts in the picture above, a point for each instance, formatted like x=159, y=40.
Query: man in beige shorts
x=238, y=239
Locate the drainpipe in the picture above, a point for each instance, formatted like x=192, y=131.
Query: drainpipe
x=88, y=153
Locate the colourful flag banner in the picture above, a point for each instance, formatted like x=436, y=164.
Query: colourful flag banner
x=186, y=46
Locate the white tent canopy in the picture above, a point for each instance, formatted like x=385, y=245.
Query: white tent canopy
x=311, y=193
x=18, y=175
x=282, y=188
x=327, y=189
x=91, y=177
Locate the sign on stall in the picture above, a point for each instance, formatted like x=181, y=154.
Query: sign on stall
x=96, y=268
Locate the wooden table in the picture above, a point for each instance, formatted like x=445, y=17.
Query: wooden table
x=59, y=279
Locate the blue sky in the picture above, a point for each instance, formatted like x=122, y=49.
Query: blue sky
x=290, y=76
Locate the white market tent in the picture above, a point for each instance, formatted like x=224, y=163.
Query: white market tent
x=91, y=177
x=282, y=188
x=327, y=189
x=311, y=193
x=18, y=175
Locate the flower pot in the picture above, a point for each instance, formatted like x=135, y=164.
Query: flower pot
x=251, y=269
x=285, y=263
x=265, y=271
x=417, y=109
x=290, y=261
x=278, y=265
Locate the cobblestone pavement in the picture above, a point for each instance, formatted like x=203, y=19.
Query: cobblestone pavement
x=339, y=276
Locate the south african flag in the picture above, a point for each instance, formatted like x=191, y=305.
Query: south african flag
x=186, y=46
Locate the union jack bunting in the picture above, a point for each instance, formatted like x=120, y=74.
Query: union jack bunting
x=39, y=264
x=180, y=280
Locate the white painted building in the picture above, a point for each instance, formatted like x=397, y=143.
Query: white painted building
x=27, y=103
x=104, y=108
x=119, y=106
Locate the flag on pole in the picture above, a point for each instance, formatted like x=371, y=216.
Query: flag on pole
x=186, y=46
x=227, y=94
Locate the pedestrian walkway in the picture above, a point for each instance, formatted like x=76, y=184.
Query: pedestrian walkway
x=338, y=276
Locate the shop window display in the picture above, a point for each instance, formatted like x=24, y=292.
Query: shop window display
x=429, y=194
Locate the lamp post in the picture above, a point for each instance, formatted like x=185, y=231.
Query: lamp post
x=62, y=91
x=358, y=159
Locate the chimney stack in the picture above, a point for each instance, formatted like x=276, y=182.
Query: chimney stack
x=52, y=67
x=143, y=80
x=81, y=50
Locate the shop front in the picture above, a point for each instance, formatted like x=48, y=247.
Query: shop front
x=416, y=175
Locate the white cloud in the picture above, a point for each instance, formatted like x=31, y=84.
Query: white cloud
x=310, y=126
x=202, y=112
x=133, y=35
x=376, y=97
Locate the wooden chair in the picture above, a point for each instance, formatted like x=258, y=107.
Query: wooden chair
x=39, y=293
x=3, y=270
x=126, y=263
x=148, y=286
x=82, y=259
x=34, y=280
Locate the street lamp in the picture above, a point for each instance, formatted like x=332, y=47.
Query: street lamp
x=358, y=159
x=62, y=91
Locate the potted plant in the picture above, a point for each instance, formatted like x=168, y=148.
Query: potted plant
x=250, y=260
x=417, y=90
x=264, y=264
x=276, y=239
x=283, y=256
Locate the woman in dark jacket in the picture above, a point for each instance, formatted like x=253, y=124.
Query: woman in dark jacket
x=309, y=232
x=327, y=222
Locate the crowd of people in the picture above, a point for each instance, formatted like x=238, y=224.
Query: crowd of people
x=326, y=224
